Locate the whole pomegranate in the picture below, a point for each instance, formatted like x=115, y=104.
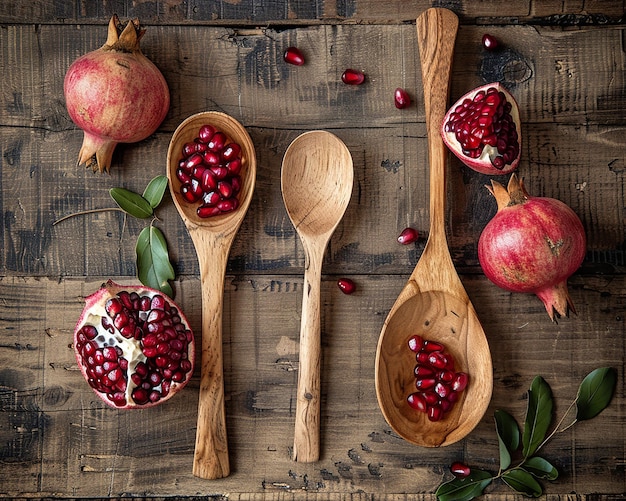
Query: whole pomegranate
x=483, y=130
x=115, y=94
x=532, y=244
x=133, y=346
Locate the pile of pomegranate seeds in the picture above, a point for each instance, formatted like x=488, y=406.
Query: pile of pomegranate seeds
x=209, y=172
x=401, y=98
x=353, y=77
x=483, y=121
x=438, y=385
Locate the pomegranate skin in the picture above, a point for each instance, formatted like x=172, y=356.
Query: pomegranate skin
x=115, y=94
x=532, y=245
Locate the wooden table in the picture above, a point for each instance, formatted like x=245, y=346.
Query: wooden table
x=565, y=64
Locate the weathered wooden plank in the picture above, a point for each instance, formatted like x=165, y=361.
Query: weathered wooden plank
x=41, y=185
x=58, y=439
x=246, y=12
x=574, y=77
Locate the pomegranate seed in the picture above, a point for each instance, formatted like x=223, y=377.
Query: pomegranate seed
x=437, y=360
x=490, y=42
x=211, y=198
x=442, y=390
x=189, y=149
x=207, y=211
x=459, y=469
x=431, y=346
x=234, y=166
x=460, y=382
x=415, y=343
x=217, y=142
x=417, y=401
x=434, y=412
x=227, y=205
x=231, y=151
x=422, y=371
x=408, y=236
x=293, y=56
x=225, y=189
x=425, y=383
x=208, y=180
x=211, y=158
x=353, y=77
x=401, y=98
x=206, y=132
x=346, y=285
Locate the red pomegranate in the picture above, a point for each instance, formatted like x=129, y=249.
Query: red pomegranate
x=483, y=130
x=533, y=245
x=115, y=94
x=133, y=346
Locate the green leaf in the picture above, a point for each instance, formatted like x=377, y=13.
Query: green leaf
x=523, y=482
x=540, y=468
x=131, y=203
x=153, y=265
x=508, y=437
x=155, y=190
x=538, y=416
x=595, y=392
x=464, y=489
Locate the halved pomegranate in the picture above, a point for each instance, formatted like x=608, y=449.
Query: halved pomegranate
x=483, y=130
x=133, y=346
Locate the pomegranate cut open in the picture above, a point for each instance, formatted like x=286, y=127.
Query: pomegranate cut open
x=133, y=346
x=483, y=130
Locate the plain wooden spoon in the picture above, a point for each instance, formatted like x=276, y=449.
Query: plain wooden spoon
x=316, y=183
x=212, y=238
x=434, y=303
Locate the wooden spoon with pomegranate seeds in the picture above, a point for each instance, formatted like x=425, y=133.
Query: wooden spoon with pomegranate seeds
x=316, y=182
x=433, y=303
x=212, y=238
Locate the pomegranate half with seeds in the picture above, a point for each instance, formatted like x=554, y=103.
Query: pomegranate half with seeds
x=483, y=130
x=133, y=346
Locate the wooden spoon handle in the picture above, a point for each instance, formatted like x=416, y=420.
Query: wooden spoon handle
x=211, y=453
x=306, y=443
x=436, y=33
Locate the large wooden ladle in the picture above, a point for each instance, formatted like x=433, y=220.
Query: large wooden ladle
x=316, y=182
x=434, y=303
x=212, y=238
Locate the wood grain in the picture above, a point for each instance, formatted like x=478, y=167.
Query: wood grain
x=563, y=61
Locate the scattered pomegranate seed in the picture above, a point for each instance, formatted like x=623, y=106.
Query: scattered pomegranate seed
x=437, y=384
x=209, y=172
x=490, y=42
x=459, y=469
x=353, y=77
x=408, y=236
x=401, y=98
x=346, y=285
x=293, y=56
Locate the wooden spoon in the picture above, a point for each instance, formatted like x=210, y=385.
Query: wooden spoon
x=316, y=182
x=434, y=303
x=212, y=238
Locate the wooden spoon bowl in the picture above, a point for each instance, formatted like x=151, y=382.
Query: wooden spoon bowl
x=212, y=238
x=433, y=303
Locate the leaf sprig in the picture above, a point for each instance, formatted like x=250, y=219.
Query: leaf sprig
x=154, y=268
x=594, y=395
